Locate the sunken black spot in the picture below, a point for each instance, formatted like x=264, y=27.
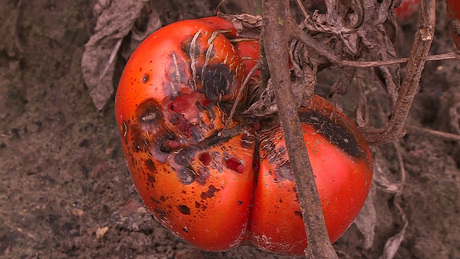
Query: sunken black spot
x=184, y=209
x=217, y=81
x=149, y=116
x=335, y=133
x=210, y=192
x=151, y=179
x=150, y=165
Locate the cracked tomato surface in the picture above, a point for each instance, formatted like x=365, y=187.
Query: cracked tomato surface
x=218, y=189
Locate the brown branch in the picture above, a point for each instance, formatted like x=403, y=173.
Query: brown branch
x=276, y=35
x=410, y=85
x=435, y=133
x=378, y=63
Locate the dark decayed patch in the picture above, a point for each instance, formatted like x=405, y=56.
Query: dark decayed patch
x=210, y=192
x=333, y=132
x=139, y=142
x=184, y=209
x=149, y=116
x=150, y=165
x=217, y=81
x=186, y=175
x=184, y=157
x=150, y=178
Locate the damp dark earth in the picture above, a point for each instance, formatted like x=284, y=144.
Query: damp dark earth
x=65, y=188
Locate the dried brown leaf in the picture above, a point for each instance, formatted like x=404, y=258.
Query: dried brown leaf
x=393, y=243
x=98, y=61
x=367, y=219
x=246, y=25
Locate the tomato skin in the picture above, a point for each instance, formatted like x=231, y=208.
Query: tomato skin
x=342, y=165
x=406, y=9
x=453, y=12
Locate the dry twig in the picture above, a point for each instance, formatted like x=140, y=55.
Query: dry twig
x=276, y=23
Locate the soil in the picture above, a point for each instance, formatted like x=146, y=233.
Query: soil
x=65, y=190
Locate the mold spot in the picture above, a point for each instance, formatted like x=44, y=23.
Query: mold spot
x=145, y=78
x=184, y=209
x=235, y=165
x=240, y=203
x=186, y=176
x=205, y=158
x=210, y=192
x=335, y=133
x=197, y=204
x=185, y=229
x=217, y=81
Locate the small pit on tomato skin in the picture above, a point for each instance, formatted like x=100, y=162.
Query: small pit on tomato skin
x=145, y=78
x=235, y=165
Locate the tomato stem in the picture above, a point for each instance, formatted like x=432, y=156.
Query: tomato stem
x=276, y=35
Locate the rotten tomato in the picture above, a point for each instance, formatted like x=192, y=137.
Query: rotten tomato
x=215, y=189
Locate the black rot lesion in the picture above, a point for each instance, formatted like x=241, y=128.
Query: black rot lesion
x=210, y=192
x=218, y=82
x=334, y=132
x=184, y=209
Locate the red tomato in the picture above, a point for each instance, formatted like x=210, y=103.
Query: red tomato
x=169, y=107
x=342, y=166
x=453, y=16
x=173, y=98
x=406, y=9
